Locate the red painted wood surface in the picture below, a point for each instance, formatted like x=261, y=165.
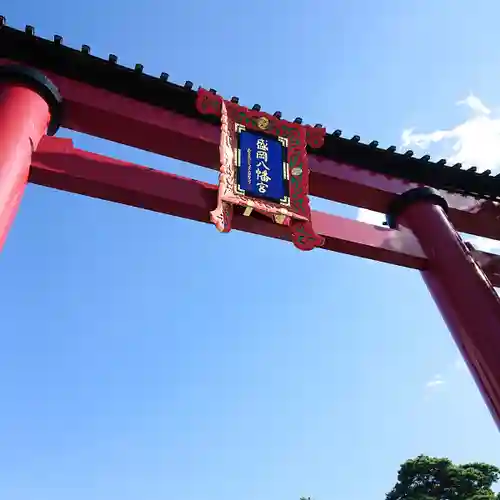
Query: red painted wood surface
x=469, y=305
x=24, y=117
x=465, y=297
x=59, y=165
x=111, y=116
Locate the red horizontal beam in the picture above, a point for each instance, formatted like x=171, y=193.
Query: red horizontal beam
x=58, y=165
x=120, y=119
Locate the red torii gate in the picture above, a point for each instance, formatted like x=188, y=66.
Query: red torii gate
x=37, y=97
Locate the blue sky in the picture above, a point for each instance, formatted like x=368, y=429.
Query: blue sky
x=129, y=366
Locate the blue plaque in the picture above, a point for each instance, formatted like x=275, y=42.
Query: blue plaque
x=262, y=167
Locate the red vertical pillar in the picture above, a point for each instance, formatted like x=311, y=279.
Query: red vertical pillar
x=462, y=292
x=29, y=108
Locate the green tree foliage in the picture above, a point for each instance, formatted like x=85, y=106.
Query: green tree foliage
x=428, y=478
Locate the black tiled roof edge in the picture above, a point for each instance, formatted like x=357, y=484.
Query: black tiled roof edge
x=26, y=48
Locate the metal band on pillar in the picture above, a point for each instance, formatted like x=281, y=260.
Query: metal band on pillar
x=403, y=201
x=39, y=83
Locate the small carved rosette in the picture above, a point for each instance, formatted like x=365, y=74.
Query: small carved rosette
x=263, y=167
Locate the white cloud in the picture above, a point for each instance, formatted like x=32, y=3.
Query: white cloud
x=435, y=382
x=423, y=141
x=370, y=217
x=473, y=142
x=475, y=105
x=476, y=141
x=452, y=375
x=484, y=244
